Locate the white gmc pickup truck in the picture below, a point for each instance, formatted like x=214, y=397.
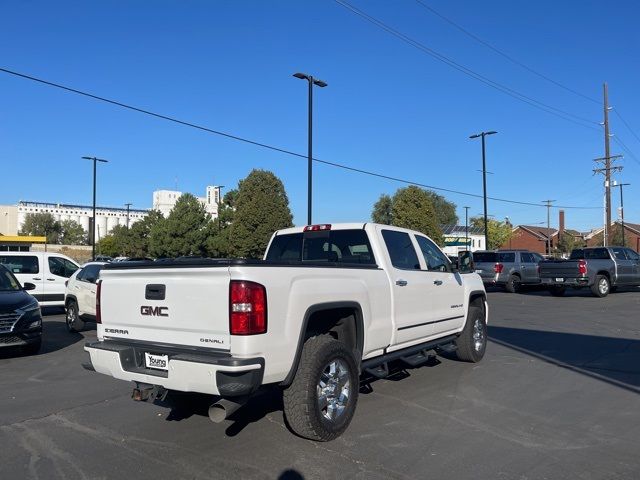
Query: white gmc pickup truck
x=327, y=303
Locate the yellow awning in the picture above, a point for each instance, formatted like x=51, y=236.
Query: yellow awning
x=22, y=239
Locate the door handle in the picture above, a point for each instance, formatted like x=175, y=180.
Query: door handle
x=401, y=283
x=51, y=279
x=437, y=282
x=36, y=278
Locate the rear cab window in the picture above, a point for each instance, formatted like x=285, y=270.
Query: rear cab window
x=401, y=251
x=21, y=264
x=333, y=246
x=590, y=254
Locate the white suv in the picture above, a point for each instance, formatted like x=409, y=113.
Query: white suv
x=80, y=296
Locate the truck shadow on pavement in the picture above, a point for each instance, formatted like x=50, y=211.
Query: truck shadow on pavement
x=612, y=360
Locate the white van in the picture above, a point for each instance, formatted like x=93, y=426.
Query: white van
x=47, y=271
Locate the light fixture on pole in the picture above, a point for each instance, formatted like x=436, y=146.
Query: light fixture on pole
x=484, y=183
x=319, y=83
x=93, y=226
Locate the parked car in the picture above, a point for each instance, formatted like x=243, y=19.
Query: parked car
x=103, y=258
x=508, y=268
x=602, y=269
x=327, y=303
x=20, y=317
x=47, y=271
x=80, y=296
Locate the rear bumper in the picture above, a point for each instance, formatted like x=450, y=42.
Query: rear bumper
x=200, y=371
x=565, y=282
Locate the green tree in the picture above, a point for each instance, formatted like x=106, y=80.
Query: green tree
x=412, y=208
x=616, y=236
x=41, y=224
x=444, y=209
x=184, y=232
x=72, y=233
x=261, y=207
x=107, y=245
x=218, y=243
x=499, y=232
x=136, y=242
x=382, y=210
x=566, y=243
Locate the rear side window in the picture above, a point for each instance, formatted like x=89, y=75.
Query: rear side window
x=336, y=246
x=526, y=258
x=89, y=273
x=631, y=255
x=509, y=257
x=20, y=264
x=401, y=251
x=485, y=257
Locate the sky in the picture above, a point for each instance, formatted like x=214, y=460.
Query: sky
x=389, y=107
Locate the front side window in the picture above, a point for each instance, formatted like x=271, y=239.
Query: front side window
x=20, y=264
x=61, y=267
x=401, y=251
x=433, y=257
x=631, y=255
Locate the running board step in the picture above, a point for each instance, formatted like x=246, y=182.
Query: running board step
x=447, y=348
x=380, y=371
x=419, y=358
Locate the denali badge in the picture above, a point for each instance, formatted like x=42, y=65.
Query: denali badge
x=211, y=340
x=154, y=311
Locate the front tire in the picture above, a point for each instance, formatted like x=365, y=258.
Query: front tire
x=74, y=323
x=320, y=402
x=601, y=286
x=472, y=342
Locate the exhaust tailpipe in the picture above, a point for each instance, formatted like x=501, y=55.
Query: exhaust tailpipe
x=223, y=409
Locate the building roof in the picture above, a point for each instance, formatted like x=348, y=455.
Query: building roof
x=540, y=232
x=461, y=230
x=23, y=203
x=22, y=239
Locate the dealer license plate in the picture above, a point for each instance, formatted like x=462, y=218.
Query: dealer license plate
x=160, y=362
x=559, y=279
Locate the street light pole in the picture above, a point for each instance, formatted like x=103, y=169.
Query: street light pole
x=484, y=184
x=622, y=209
x=93, y=226
x=312, y=81
x=466, y=227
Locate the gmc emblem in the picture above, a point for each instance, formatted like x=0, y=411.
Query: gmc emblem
x=154, y=311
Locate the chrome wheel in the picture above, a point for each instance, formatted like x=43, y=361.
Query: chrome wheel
x=478, y=335
x=603, y=286
x=72, y=316
x=333, y=390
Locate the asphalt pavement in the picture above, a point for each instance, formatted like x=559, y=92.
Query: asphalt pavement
x=557, y=396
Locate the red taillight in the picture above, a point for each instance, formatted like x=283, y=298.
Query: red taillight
x=247, y=308
x=582, y=267
x=498, y=268
x=317, y=228
x=98, y=291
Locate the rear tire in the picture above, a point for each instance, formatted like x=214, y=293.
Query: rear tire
x=513, y=284
x=320, y=402
x=74, y=324
x=557, y=291
x=601, y=287
x=472, y=342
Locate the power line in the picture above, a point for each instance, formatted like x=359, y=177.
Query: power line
x=626, y=124
x=503, y=54
x=626, y=149
x=583, y=122
x=264, y=145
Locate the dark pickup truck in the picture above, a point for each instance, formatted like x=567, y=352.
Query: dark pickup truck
x=602, y=269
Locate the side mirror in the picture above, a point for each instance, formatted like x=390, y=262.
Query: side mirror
x=28, y=286
x=465, y=262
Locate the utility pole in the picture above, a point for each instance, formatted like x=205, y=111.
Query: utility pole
x=607, y=164
x=622, y=208
x=93, y=226
x=466, y=227
x=606, y=171
x=128, y=205
x=484, y=185
x=548, y=202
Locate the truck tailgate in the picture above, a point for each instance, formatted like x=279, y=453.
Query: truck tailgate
x=177, y=306
x=558, y=268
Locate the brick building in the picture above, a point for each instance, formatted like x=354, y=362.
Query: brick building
x=632, y=235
